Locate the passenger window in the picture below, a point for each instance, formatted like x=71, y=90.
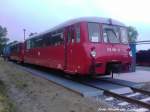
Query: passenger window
x=48, y=39
x=18, y=48
x=69, y=37
x=32, y=43
x=45, y=43
x=39, y=42
x=28, y=44
x=62, y=38
x=72, y=35
x=77, y=33
x=54, y=38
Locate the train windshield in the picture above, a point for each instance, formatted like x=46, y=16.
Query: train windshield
x=124, y=35
x=94, y=32
x=111, y=34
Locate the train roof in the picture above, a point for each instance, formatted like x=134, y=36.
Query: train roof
x=82, y=19
x=14, y=43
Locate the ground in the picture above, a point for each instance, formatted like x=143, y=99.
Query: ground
x=29, y=93
x=142, y=75
x=146, y=86
x=6, y=105
x=20, y=91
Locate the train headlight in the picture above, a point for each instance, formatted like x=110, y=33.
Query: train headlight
x=130, y=53
x=93, y=53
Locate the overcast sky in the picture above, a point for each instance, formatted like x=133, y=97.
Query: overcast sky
x=40, y=15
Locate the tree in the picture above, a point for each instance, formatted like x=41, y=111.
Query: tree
x=3, y=39
x=132, y=34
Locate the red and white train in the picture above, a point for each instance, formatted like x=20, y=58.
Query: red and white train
x=85, y=46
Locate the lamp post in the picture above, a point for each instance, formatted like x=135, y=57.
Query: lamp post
x=24, y=31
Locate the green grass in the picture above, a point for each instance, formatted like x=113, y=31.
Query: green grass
x=6, y=104
x=13, y=74
x=20, y=84
x=14, y=77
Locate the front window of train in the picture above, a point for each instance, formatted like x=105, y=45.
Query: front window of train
x=111, y=34
x=124, y=35
x=115, y=34
x=94, y=32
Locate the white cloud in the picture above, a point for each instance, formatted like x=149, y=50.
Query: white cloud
x=128, y=10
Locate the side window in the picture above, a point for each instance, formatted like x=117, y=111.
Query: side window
x=62, y=38
x=69, y=36
x=28, y=44
x=57, y=38
x=77, y=29
x=72, y=34
x=38, y=42
x=18, y=48
x=32, y=43
x=48, y=39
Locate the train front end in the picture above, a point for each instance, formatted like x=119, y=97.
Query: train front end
x=108, y=49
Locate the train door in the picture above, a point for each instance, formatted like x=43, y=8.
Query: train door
x=69, y=55
x=28, y=52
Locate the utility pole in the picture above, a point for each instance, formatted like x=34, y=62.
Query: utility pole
x=24, y=31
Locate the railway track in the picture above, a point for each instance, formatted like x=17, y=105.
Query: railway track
x=138, y=97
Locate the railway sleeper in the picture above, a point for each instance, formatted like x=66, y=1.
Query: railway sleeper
x=128, y=99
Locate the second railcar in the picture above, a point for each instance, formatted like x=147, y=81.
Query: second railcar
x=142, y=58
x=17, y=52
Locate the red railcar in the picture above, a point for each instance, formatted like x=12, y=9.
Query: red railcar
x=142, y=58
x=17, y=52
x=84, y=46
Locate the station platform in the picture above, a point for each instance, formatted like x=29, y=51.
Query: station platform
x=139, y=76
